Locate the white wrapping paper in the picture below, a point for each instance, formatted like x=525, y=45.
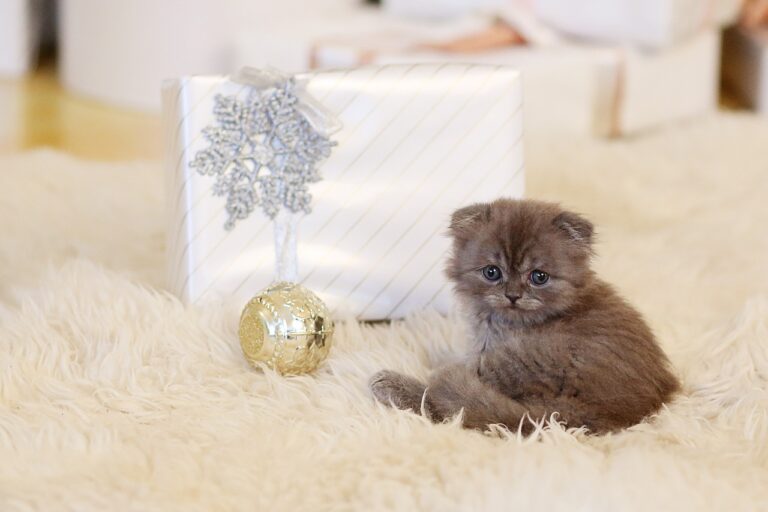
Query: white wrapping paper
x=745, y=65
x=583, y=89
x=417, y=142
x=651, y=23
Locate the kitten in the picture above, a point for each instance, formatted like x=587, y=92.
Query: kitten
x=548, y=335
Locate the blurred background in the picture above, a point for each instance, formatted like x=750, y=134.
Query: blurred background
x=84, y=76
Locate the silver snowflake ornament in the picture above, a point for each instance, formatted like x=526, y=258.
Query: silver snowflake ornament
x=262, y=152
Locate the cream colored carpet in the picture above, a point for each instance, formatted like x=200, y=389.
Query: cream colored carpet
x=114, y=396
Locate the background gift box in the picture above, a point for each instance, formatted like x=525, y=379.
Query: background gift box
x=418, y=141
x=290, y=45
x=652, y=23
x=574, y=87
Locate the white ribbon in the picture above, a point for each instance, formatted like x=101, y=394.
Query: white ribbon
x=286, y=254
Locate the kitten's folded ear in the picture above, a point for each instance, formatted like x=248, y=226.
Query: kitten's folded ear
x=464, y=220
x=577, y=228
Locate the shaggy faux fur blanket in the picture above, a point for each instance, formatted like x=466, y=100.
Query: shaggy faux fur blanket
x=115, y=396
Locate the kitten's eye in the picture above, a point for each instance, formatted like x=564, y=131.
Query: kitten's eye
x=492, y=273
x=539, y=277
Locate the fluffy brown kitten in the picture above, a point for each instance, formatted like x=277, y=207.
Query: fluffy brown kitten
x=548, y=336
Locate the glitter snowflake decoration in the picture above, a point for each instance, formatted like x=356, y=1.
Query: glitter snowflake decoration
x=262, y=152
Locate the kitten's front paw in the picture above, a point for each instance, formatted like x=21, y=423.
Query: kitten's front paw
x=401, y=391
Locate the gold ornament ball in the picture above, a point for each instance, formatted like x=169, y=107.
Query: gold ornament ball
x=287, y=327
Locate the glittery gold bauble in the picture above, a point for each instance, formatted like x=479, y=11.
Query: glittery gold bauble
x=287, y=327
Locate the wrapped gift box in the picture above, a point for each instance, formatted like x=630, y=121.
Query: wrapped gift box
x=745, y=65
x=291, y=45
x=652, y=23
x=417, y=142
x=579, y=88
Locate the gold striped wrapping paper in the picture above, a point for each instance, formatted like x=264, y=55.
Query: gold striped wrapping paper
x=417, y=142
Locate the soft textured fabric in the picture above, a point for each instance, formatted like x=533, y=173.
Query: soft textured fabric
x=115, y=396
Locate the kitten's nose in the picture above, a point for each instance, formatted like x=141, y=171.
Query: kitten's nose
x=513, y=297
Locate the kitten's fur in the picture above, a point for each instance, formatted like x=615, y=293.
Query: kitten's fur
x=571, y=347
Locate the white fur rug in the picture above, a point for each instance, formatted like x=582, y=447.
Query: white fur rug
x=114, y=396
